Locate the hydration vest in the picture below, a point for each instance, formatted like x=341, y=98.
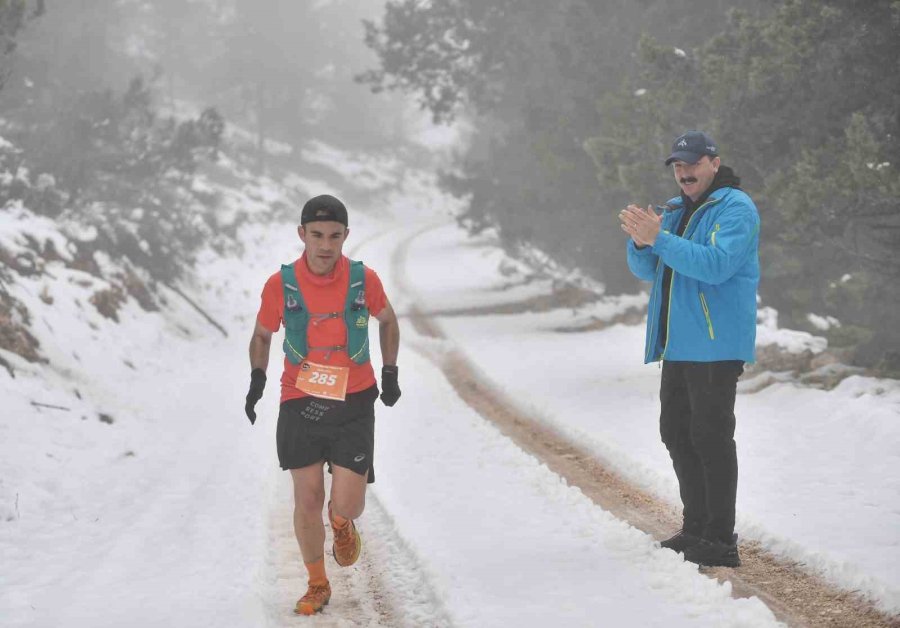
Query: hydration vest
x=297, y=317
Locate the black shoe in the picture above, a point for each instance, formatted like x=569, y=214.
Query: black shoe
x=680, y=542
x=714, y=553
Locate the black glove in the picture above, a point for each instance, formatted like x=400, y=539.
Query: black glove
x=257, y=385
x=390, y=391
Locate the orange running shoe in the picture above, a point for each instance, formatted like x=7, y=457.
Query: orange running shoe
x=317, y=596
x=347, y=544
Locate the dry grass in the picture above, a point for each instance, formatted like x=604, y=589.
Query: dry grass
x=14, y=334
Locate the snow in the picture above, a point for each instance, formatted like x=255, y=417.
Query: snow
x=525, y=538
x=368, y=172
x=791, y=340
x=807, y=457
x=823, y=323
x=175, y=512
x=20, y=224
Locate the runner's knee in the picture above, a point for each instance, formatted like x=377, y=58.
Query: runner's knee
x=309, y=500
x=349, y=508
x=348, y=494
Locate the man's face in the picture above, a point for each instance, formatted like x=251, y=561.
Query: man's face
x=324, y=243
x=694, y=179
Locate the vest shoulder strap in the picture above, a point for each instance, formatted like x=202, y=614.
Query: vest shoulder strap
x=356, y=314
x=357, y=283
x=296, y=316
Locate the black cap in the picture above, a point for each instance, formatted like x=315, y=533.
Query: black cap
x=691, y=146
x=323, y=208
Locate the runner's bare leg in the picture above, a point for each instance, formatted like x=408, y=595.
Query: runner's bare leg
x=309, y=499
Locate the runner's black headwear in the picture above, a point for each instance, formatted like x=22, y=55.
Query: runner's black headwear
x=323, y=208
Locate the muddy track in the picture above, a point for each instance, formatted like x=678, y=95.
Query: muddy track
x=794, y=596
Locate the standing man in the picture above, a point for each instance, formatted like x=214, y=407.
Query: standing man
x=702, y=256
x=328, y=389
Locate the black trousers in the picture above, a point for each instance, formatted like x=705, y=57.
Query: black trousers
x=697, y=426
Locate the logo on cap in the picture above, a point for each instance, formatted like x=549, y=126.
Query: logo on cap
x=690, y=146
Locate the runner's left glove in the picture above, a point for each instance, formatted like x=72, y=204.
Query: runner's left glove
x=390, y=390
x=257, y=385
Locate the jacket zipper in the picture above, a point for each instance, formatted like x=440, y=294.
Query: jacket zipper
x=712, y=333
x=672, y=281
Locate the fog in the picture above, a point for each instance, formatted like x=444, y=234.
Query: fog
x=283, y=69
x=571, y=108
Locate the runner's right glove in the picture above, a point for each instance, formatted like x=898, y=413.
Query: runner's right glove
x=390, y=390
x=257, y=385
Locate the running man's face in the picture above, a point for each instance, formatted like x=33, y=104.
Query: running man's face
x=694, y=179
x=324, y=242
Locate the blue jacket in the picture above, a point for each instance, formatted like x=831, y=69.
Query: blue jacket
x=715, y=274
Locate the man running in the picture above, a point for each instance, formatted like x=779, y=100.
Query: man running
x=702, y=256
x=328, y=389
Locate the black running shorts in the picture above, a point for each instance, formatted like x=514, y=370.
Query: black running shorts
x=339, y=432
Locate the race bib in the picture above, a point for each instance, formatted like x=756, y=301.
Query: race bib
x=323, y=381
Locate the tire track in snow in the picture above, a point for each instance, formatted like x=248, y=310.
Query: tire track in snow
x=420, y=605
x=794, y=596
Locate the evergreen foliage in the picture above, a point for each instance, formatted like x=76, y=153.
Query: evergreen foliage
x=81, y=153
x=13, y=15
x=805, y=104
x=109, y=162
x=575, y=105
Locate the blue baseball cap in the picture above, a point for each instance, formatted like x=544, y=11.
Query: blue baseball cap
x=691, y=146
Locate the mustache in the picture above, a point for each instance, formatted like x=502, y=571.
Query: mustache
x=687, y=180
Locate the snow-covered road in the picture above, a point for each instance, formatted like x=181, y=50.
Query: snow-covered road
x=176, y=514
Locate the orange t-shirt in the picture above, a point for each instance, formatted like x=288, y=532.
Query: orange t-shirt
x=323, y=294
